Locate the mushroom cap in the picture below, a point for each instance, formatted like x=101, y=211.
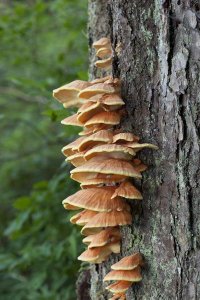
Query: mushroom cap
x=105, y=117
x=85, y=217
x=76, y=159
x=109, y=181
x=125, y=137
x=104, y=52
x=138, y=146
x=119, y=287
x=114, y=81
x=76, y=217
x=129, y=262
x=94, y=129
x=101, y=259
x=96, y=199
x=91, y=231
x=98, y=88
x=99, y=254
x=71, y=148
x=113, y=99
x=130, y=275
x=110, y=102
x=101, y=236
x=68, y=93
x=104, y=63
x=104, y=237
x=127, y=190
x=95, y=179
x=102, y=79
x=108, y=219
x=89, y=111
x=85, y=106
x=115, y=247
x=91, y=255
x=91, y=130
x=72, y=120
x=107, y=166
x=102, y=42
x=73, y=103
x=110, y=151
x=102, y=136
x=71, y=207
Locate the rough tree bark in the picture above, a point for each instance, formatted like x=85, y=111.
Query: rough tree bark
x=157, y=57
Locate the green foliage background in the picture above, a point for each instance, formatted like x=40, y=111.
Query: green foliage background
x=43, y=45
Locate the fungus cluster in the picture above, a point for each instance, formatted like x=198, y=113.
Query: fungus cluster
x=104, y=52
x=104, y=158
x=125, y=272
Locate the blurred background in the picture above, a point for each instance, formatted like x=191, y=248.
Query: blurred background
x=43, y=44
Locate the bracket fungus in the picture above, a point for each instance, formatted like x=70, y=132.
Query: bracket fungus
x=68, y=93
x=104, y=51
x=98, y=138
x=125, y=272
x=105, y=165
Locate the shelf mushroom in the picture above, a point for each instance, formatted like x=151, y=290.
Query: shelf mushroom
x=125, y=272
x=96, y=199
x=101, y=215
x=128, y=191
x=68, y=93
x=109, y=166
x=99, y=88
x=105, y=164
x=98, y=138
x=72, y=120
x=103, y=51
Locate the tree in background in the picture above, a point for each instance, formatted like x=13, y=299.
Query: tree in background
x=157, y=58
x=41, y=48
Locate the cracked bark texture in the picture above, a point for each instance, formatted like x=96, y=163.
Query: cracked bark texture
x=157, y=57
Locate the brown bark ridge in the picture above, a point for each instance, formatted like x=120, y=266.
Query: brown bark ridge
x=157, y=57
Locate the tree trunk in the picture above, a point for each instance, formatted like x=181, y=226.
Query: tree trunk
x=157, y=57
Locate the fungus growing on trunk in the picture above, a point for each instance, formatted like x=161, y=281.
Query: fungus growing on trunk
x=88, y=110
x=72, y=148
x=124, y=137
x=72, y=120
x=97, y=199
x=110, y=151
x=99, y=88
x=76, y=159
x=103, y=238
x=104, y=51
x=128, y=191
x=109, y=219
x=68, y=93
x=108, y=166
x=100, y=137
x=102, y=43
x=104, y=118
x=125, y=272
x=105, y=163
x=104, y=63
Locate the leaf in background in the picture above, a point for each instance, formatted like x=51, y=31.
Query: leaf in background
x=22, y=203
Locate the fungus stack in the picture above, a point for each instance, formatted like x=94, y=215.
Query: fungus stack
x=125, y=272
x=104, y=159
x=104, y=51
